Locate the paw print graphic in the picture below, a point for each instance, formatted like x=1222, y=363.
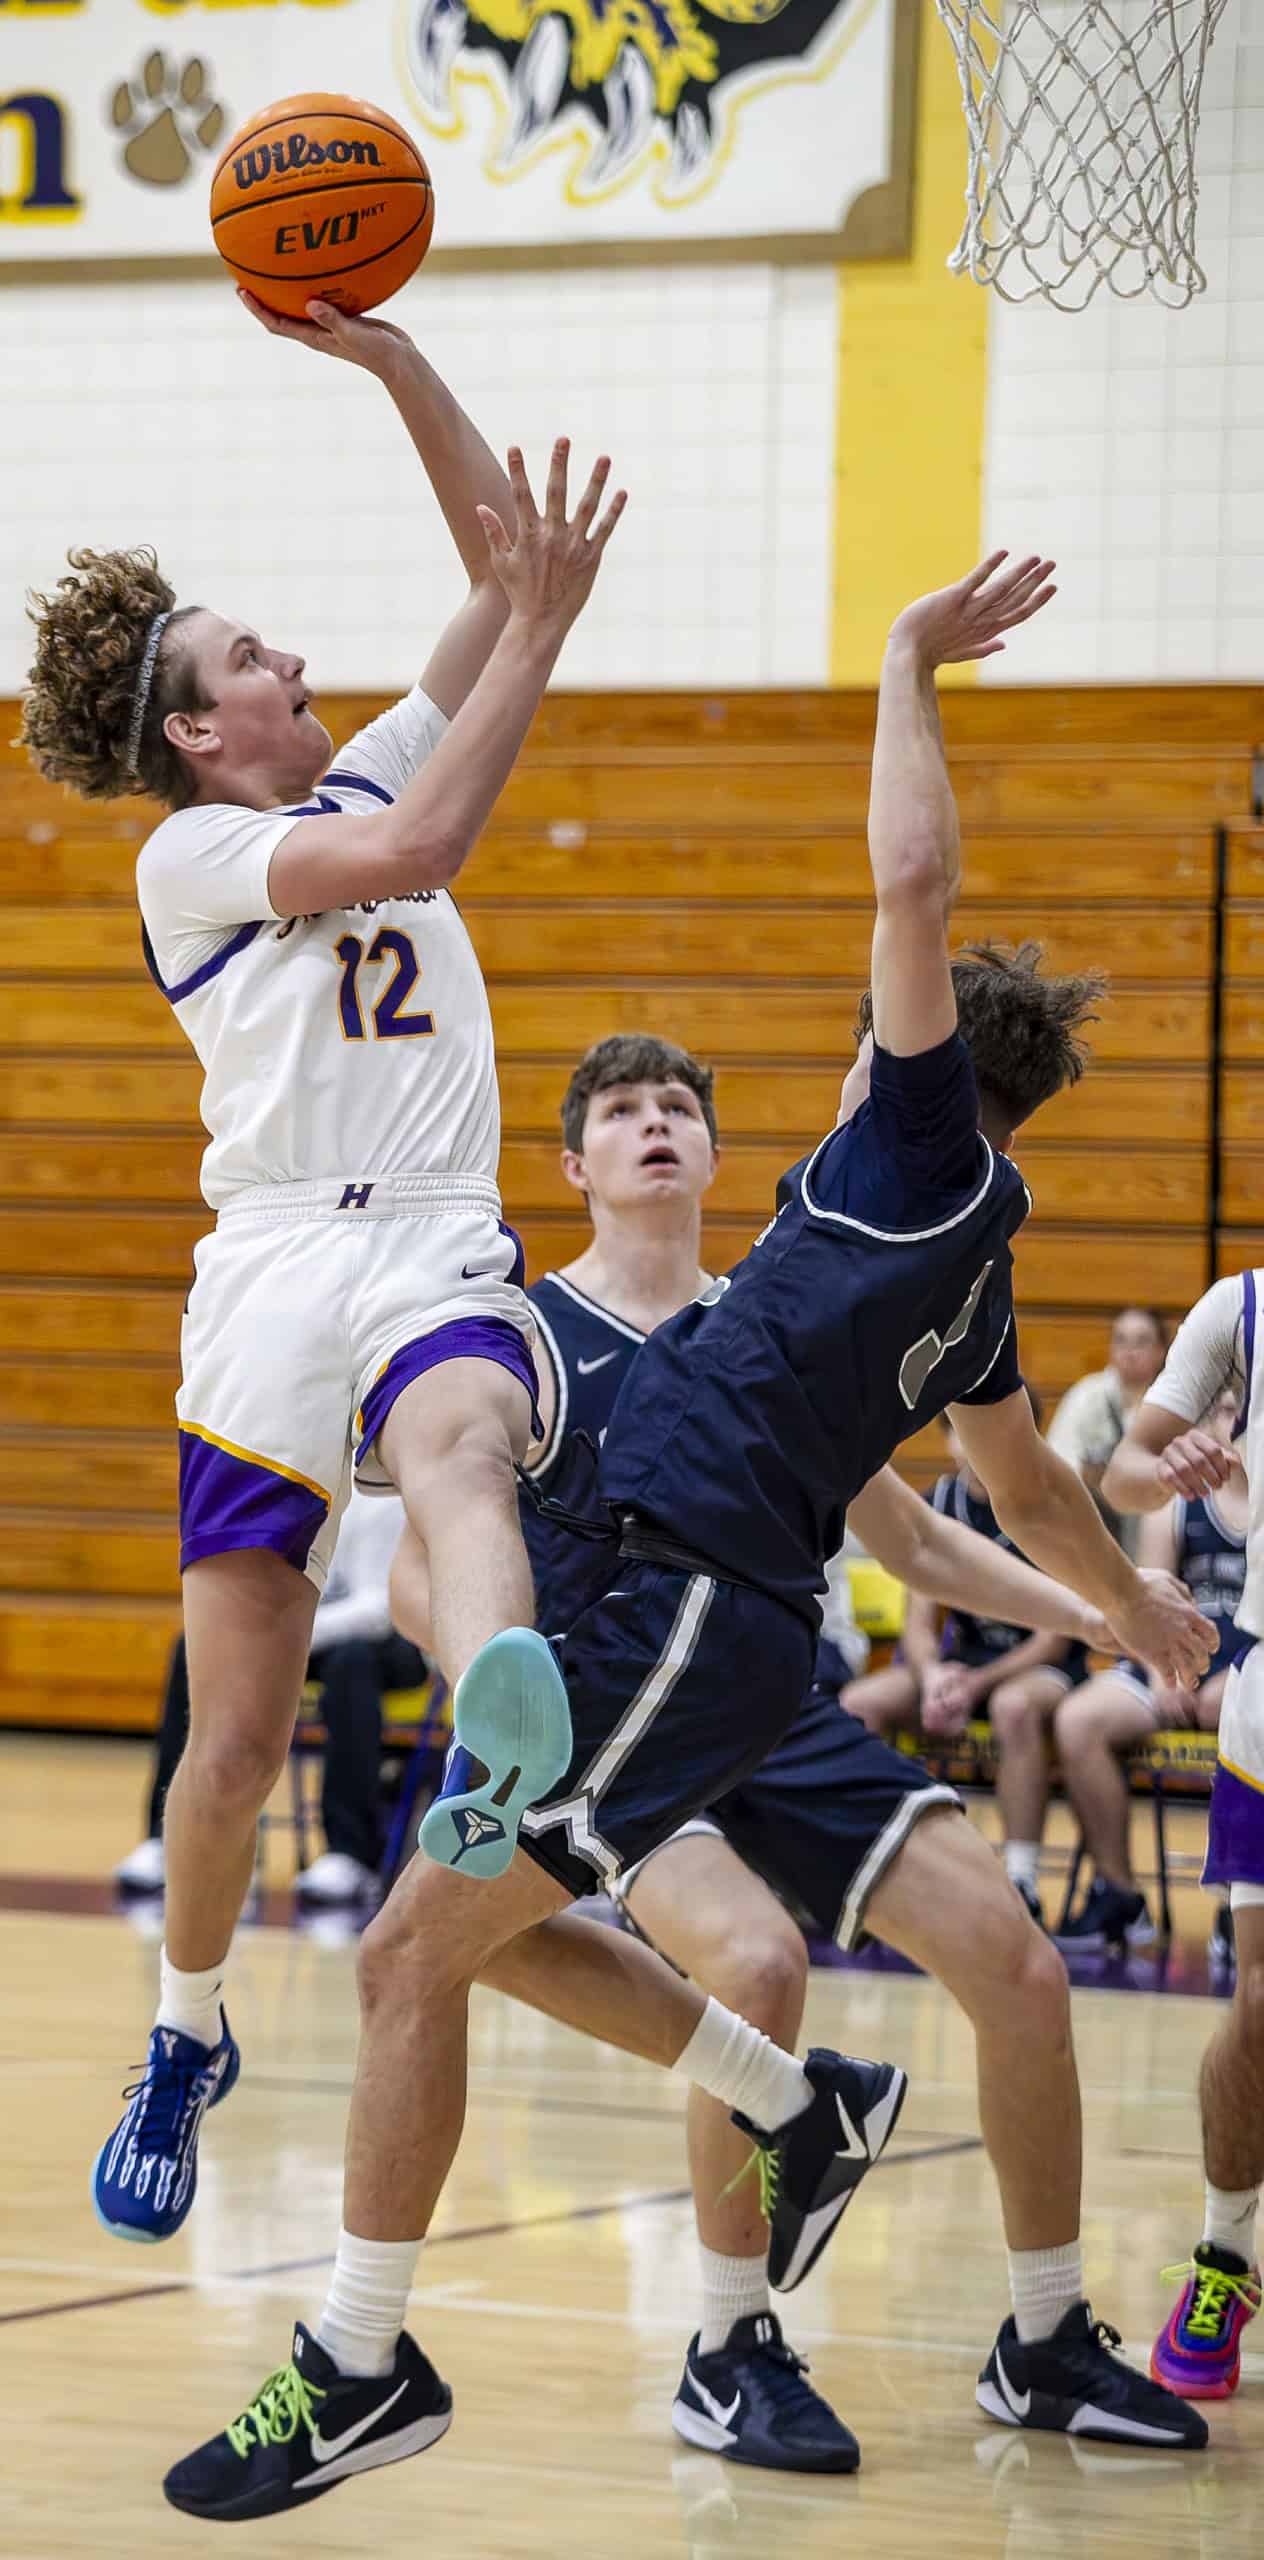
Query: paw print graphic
x=169, y=118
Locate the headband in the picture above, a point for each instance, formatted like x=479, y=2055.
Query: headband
x=144, y=681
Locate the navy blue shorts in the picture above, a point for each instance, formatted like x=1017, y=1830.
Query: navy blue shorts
x=692, y=1710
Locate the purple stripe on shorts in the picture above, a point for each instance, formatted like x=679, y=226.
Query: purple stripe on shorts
x=518, y=1276
x=467, y=1338
x=1235, y=1834
x=228, y=1502
x=1248, y=1348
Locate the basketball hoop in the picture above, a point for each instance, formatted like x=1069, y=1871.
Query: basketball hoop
x=1082, y=119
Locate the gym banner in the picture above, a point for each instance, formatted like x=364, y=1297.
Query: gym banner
x=774, y=127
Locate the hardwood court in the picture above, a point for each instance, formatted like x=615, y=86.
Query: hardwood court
x=557, y=2292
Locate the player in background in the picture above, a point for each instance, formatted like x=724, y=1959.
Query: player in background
x=357, y=1304
x=828, y=1807
x=949, y=1669
x=1204, y=1542
x=1170, y=1450
x=879, y=1294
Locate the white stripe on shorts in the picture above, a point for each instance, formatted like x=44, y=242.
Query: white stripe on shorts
x=577, y=1815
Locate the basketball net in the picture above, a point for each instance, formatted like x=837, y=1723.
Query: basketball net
x=1082, y=120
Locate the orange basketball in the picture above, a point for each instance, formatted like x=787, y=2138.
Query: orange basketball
x=322, y=197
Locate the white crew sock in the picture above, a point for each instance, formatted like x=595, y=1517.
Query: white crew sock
x=1230, y=2219
x=191, y=2002
x=1044, y=2283
x=365, y=2305
x=732, y=2289
x=734, y=2062
x=1022, y=1863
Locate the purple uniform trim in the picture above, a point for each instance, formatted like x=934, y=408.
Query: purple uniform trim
x=1235, y=1833
x=518, y=1276
x=228, y=1502
x=466, y=1338
x=1248, y=1349
x=240, y=941
x=360, y=782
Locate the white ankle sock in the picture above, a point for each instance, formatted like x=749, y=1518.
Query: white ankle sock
x=732, y=2289
x=191, y=2002
x=1230, y=2219
x=735, y=2063
x=365, y=2305
x=1022, y=1863
x=1044, y=2283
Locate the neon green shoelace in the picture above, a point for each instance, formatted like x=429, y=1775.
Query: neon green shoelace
x=285, y=2403
x=1214, y=2289
x=767, y=2165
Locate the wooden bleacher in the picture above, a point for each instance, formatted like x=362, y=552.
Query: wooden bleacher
x=686, y=863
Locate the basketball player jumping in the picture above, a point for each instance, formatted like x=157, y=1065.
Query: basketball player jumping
x=826, y=1817
x=879, y=1294
x=358, y=1301
x=1168, y=1450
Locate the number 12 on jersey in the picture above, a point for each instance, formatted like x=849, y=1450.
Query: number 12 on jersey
x=388, y=1019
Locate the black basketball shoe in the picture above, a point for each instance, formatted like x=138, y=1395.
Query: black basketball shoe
x=1070, y=2384
x=810, y=2168
x=751, y=2401
x=308, y=2428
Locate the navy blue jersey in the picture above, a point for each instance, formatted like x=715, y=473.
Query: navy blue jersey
x=589, y=1352
x=967, y=1638
x=880, y=1293
x=1211, y=1559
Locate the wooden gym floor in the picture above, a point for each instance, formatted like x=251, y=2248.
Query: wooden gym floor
x=557, y=2292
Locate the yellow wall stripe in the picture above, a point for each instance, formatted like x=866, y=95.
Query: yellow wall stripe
x=908, y=499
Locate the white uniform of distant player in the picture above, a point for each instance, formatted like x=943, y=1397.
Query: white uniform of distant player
x=1219, y=1346
x=350, y=1097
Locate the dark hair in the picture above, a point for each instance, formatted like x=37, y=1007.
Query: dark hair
x=91, y=638
x=633, y=1057
x=1020, y=1028
x=1152, y=1316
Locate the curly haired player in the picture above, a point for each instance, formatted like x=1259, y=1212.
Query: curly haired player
x=358, y=1302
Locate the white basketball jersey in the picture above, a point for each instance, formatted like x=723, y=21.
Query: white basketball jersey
x=347, y=1046
x=1221, y=1344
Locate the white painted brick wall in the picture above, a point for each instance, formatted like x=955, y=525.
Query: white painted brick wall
x=1129, y=440
x=283, y=488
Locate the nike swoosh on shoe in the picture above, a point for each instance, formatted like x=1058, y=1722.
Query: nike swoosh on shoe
x=328, y=2448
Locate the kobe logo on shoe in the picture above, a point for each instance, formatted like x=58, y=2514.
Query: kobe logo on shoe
x=472, y=1829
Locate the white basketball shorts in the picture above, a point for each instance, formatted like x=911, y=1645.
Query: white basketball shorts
x=313, y=1306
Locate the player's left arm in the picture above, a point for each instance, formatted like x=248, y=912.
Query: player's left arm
x=944, y=1560
x=1165, y=1450
x=1042, y=1505
x=458, y=462
x=914, y=837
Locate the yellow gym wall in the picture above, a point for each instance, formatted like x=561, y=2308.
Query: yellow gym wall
x=912, y=388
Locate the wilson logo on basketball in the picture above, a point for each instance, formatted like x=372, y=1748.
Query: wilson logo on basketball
x=300, y=151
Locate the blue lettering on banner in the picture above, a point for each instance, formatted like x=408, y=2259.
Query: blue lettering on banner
x=43, y=193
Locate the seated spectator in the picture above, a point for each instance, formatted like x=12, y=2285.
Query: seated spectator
x=973, y=1666
x=356, y=1656
x=1090, y=1421
x=1205, y=1543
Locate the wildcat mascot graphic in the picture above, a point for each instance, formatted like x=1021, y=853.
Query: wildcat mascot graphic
x=631, y=81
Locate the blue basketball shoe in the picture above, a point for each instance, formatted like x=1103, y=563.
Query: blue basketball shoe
x=145, y=2176
x=751, y=2401
x=511, y=1723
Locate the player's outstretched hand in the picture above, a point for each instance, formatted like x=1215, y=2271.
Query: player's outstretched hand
x=377, y=345
x=547, y=566
x=967, y=621
x=1165, y=1630
x=1194, y=1463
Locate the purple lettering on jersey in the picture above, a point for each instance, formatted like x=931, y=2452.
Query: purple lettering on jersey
x=466, y=1338
x=227, y=1502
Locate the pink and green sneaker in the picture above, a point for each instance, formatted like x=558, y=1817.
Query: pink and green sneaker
x=1199, y=2352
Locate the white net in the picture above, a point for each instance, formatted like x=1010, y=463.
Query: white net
x=1082, y=122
